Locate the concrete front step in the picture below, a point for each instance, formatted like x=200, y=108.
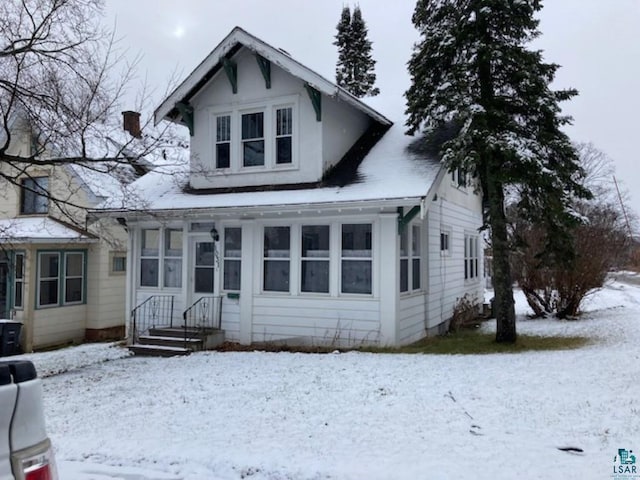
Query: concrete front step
x=192, y=343
x=158, y=350
x=179, y=332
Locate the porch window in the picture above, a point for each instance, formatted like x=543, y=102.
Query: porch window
x=410, y=259
x=149, y=257
x=277, y=243
x=172, y=258
x=18, y=280
x=284, y=135
x=315, y=258
x=253, y=139
x=470, y=257
x=356, y=258
x=444, y=243
x=232, y=258
x=73, y=277
x=416, y=272
x=223, y=141
x=48, y=279
x=35, y=195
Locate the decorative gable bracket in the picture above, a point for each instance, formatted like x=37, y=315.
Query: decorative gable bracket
x=316, y=100
x=403, y=220
x=265, y=68
x=231, y=69
x=186, y=112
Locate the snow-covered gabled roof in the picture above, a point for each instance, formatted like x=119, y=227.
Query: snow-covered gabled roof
x=210, y=65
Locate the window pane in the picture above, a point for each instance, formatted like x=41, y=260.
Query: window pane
x=17, y=301
x=356, y=276
x=416, y=273
x=231, y=275
x=173, y=243
x=119, y=264
x=19, y=270
x=35, y=195
x=283, y=150
x=276, y=276
x=49, y=292
x=223, y=155
x=252, y=125
x=223, y=128
x=356, y=240
x=49, y=263
x=284, y=121
x=404, y=275
x=276, y=242
x=149, y=272
x=74, y=264
x=204, y=280
x=415, y=240
x=253, y=153
x=232, y=242
x=315, y=276
x=173, y=273
x=315, y=241
x=205, y=254
x=150, y=239
x=73, y=290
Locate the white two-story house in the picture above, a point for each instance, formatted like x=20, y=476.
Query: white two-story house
x=305, y=216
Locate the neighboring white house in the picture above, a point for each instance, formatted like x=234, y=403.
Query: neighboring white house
x=306, y=216
x=63, y=279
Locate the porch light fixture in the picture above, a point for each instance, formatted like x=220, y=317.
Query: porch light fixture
x=215, y=236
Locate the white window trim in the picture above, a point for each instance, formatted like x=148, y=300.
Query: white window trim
x=326, y=259
x=160, y=257
x=471, y=258
x=269, y=108
x=225, y=258
x=410, y=257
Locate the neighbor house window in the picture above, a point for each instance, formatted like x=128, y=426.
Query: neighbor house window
x=410, y=259
x=18, y=280
x=253, y=139
x=149, y=257
x=232, y=258
x=61, y=278
x=444, y=243
x=470, y=257
x=315, y=259
x=35, y=195
x=284, y=135
x=73, y=277
x=356, y=258
x=118, y=263
x=172, y=258
x=276, y=259
x=223, y=141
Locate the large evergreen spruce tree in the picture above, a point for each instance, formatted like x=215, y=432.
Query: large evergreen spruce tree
x=473, y=68
x=355, y=66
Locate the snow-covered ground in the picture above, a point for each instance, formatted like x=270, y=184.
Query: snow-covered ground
x=354, y=416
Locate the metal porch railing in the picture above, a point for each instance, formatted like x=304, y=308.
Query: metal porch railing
x=155, y=311
x=202, y=317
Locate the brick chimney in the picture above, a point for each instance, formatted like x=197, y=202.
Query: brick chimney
x=131, y=123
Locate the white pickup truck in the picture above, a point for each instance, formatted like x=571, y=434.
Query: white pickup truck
x=25, y=449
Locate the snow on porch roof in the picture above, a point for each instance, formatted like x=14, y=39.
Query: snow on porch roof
x=212, y=63
x=392, y=171
x=40, y=230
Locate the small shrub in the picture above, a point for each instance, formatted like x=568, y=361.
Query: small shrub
x=465, y=313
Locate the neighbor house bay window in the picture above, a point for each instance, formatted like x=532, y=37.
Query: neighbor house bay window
x=232, y=257
x=315, y=258
x=48, y=278
x=284, y=135
x=253, y=139
x=18, y=280
x=35, y=195
x=356, y=258
x=73, y=277
x=277, y=245
x=58, y=270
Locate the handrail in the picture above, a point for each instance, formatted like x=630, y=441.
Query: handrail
x=202, y=316
x=153, y=311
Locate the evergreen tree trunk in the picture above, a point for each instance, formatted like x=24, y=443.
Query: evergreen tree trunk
x=503, y=304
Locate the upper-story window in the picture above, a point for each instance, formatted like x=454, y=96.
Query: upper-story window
x=253, y=139
x=35, y=195
x=223, y=141
x=284, y=135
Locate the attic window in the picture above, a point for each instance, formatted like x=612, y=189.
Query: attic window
x=223, y=141
x=284, y=135
x=253, y=139
x=35, y=195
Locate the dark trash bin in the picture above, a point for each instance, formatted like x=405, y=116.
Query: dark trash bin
x=10, y=338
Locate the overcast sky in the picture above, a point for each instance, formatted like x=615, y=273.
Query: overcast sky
x=597, y=43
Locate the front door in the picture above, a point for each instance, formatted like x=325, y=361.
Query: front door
x=203, y=310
